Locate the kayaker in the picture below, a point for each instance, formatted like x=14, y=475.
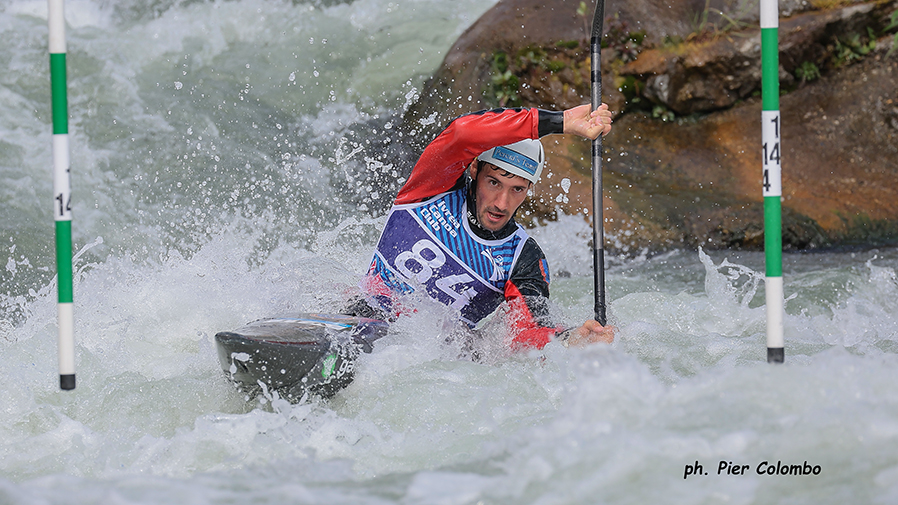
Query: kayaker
x=451, y=230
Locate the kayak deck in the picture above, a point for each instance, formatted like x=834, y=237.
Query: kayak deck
x=312, y=353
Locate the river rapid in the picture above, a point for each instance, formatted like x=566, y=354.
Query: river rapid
x=228, y=164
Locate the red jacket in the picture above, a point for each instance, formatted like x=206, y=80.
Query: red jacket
x=441, y=168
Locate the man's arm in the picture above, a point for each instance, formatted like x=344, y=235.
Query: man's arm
x=446, y=158
x=527, y=295
x=527, y=291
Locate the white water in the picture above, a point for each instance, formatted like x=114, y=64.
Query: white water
x=220, y=155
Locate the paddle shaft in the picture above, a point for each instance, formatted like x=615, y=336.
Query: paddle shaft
x=598, y=236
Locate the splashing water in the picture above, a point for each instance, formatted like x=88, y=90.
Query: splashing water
x=228, y=165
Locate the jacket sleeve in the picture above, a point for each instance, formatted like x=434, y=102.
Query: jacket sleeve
x=527, y=295
x=445, y=159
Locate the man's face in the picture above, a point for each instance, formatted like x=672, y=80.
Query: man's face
x=499, y=194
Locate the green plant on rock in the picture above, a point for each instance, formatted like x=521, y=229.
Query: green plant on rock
x=670, y=41
x=702, y=27
x=853, y=48
x=504, y=84
x=700, y=19
x=531, y=56
x=555, y=66
x=892, y=25
x=663, y=113
x=568, y=44
x=625, y=43
x=807, y=72
x=506, y=88
x=535, y=57
x=630, y=87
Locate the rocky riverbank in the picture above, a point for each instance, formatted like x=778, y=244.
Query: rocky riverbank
x=683, y=164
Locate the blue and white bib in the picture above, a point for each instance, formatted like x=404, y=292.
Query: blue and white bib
x=430, y=245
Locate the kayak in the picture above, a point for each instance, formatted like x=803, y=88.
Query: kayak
x=296, y=355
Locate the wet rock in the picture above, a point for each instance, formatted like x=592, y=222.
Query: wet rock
x=715, y=74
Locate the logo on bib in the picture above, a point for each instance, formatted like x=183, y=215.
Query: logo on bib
x=498, y=272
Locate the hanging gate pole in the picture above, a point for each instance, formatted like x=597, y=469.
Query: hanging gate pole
x=62, y=193
x=771, y=130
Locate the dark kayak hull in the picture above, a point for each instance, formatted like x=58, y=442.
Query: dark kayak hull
x=307, y=353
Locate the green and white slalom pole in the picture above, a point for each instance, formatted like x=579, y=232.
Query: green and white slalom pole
x=771, y=130
x=62, y=194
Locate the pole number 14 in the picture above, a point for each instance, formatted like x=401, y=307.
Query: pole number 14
x=771, y=137
x=65, y=204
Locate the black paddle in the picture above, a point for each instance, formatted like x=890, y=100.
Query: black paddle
x=598, y=238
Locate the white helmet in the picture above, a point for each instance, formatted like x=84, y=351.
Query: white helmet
x=525, y=158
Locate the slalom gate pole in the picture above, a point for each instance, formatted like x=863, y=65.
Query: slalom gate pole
x=62, y=193
x=771, y=130
x=598, y=235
